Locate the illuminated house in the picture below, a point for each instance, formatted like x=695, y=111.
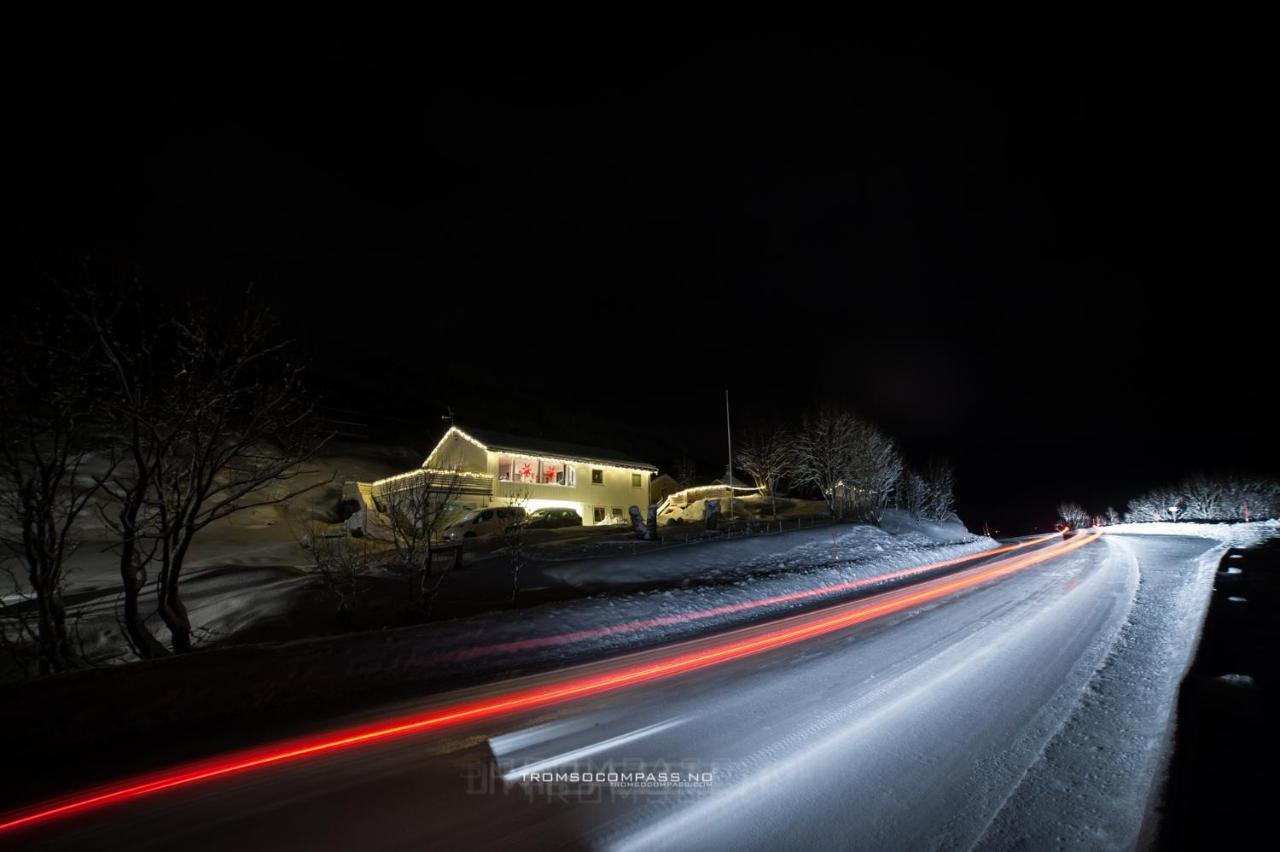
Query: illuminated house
x=485, y=468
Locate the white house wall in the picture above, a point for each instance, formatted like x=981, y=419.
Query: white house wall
x=616, y=492
x=458, y=452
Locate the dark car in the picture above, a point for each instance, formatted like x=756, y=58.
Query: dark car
x=550, y=519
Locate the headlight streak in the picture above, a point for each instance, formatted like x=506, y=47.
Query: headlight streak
x=575, y=687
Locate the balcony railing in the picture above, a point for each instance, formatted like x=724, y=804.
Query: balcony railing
x=443, y=481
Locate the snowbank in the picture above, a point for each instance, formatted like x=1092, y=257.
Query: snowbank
x=898, y=522
x=1237, y=534
x=1111, y=753
x=408, y=661
x=723, y=561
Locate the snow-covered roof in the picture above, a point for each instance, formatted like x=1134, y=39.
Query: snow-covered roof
x=501, y=442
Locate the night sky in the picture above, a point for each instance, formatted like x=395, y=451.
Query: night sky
x=1040, y=250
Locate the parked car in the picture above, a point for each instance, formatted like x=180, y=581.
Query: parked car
x=483, y=522
x=550, y=519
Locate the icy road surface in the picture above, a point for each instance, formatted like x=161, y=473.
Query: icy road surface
x=1032, y=711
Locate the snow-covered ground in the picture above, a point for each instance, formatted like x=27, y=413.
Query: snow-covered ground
x=1034, y=714
x=899, y=536
x=1030, y=711
x=1027, y=712
x=1098, y=779
x=731, y=582
x=787, y=572
x=248, y=581
x=1231, y=534
x=242, y=571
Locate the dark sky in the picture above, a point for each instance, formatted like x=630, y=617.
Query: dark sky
x=1039, y=249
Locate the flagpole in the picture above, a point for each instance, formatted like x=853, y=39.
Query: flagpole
x=729, y=434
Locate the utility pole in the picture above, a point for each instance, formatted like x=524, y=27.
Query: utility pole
x=729, y=434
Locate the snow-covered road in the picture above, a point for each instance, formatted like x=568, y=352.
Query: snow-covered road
x=1030, y=710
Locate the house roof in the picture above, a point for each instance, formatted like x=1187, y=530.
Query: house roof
x=503, y=442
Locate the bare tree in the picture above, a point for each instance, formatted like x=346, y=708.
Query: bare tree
x=850, y=461
x=940, y=486
x=1159, y=504
x=875, y=468
x=418, y=510
x=1142, y=509
x=1203, y=498
x=913, y=494
x=211, y=423
x=515, y=542
x=823, y=455
x=766, y=455
x=1250, y=498
x=1112, y=516
x=1073, y=513
x=1238, y=494
x=339, y=562
x=1170, y=504
x=47, y=475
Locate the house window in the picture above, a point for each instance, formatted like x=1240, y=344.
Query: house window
x=597, y=476
x=534, y=470
x=597, y=515
x=617, y=513
x=635, y=480
x=523, y=469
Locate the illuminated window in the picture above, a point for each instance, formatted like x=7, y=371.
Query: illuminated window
x=617, y=513
x=534, y=470
x=597, y=476
x=635, y=480
x=524, y=469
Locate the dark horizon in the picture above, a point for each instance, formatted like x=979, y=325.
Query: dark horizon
x=1037, y=255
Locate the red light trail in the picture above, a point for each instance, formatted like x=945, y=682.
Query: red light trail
x=726, y=609
x=797, y=628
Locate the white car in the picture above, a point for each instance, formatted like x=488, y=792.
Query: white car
x=483, y=522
